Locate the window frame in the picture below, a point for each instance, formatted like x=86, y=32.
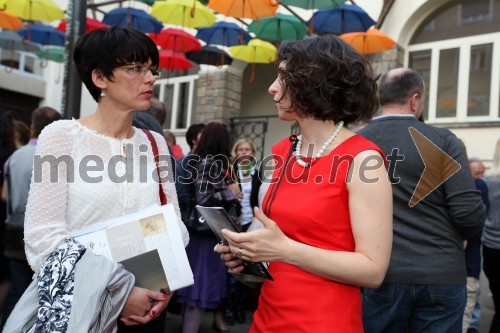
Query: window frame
x=464, y=45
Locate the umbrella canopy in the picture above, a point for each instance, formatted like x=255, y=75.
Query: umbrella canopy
x=132, y=18
x=10, y=40
x=251, y=9
x=51, y=53
x=345, y=19
x=279, y=27
x=33, y=10
x=176, y=40
x=224, y=33
x=173, y=60
x=313, y=4
x=368, y=42
x=10, y=22
x=210, y=55
x=257, y=51
x=185, y=13
x=43, y=34
x=90, y=24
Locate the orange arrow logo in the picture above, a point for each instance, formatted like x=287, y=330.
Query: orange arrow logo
x=439, y=166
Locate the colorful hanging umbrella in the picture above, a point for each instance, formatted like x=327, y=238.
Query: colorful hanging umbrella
x=42, y=34
x=10, y=22
x=313, y=4
x=210, y=55
x=257, y=51
x=90, y=24
x=251, y=9
x=132, y=18
x=369, y=42
x=279, y=27
x=176, y=40
x=224, y=33
x=10, y=40
x=33, y=10
x=51, y=53
x=185, y=13
x=173, y=60
x=345, y=19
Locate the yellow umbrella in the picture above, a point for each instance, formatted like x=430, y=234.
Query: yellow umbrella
x=257, y=51
x=33, y=10
x=10, y=22
x=186, y=13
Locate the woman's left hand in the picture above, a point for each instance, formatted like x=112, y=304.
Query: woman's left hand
x=159, y=303
x=266, y=244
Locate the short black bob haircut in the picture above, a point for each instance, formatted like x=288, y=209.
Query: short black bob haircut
x=327, y=79
x=106, y=48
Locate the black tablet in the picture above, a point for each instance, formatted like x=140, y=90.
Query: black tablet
x=217, y=219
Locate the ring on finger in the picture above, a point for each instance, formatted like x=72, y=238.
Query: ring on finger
x=215, y=247
x=240, y=253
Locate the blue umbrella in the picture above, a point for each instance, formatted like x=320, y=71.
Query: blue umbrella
x=132, y=18
x=42, y=34
x=224, y=33
x=345, y=19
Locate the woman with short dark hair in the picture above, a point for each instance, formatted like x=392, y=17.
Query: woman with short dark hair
x=327, y=215
x=119, y=68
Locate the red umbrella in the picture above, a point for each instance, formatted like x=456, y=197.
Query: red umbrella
x=173, y=60
x=176, y=40
x=90, y=24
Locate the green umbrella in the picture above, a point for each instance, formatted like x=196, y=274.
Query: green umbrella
x=52, y=53
x=279, y=27
x=313, y=4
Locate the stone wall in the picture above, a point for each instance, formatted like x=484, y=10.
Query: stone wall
x=382, y=62
x=218, y=97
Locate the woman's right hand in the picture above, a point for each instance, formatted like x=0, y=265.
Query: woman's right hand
x=230, y=259
x=236, y=190
x=138, y=305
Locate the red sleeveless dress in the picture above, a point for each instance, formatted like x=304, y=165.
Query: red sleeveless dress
x=311, y=207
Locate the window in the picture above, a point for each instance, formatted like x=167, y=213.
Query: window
x=460, y=65
x=178, y=95
x=472, y=11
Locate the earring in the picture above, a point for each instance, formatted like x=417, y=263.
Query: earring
x=103, y=93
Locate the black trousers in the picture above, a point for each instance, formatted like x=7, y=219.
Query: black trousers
x=491, y=267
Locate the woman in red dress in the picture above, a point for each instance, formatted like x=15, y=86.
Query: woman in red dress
x=328, y=215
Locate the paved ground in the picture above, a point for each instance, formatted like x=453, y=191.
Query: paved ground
x=174, y=321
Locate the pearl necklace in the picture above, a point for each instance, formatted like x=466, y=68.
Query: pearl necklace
x=322, y=149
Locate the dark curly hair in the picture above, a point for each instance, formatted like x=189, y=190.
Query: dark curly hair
x=327, y=79
x=106, y=48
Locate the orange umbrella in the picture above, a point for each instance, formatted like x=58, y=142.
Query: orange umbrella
x=371, y=41
x=10, y=22
x=251, y=9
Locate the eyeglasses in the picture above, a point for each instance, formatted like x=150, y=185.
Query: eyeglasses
x=137, y=69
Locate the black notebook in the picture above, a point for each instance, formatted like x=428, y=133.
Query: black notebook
x=217, y=219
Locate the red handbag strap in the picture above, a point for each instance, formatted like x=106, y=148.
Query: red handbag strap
x=163, y=197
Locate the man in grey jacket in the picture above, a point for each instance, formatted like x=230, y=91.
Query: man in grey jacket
x=436, y=208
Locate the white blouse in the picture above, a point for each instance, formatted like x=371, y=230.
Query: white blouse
x=81, y=177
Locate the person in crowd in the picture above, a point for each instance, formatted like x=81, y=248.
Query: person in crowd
x=182, y=181
x=473, y=252
x=243, y=173
x=172, y=144
x=158, y=110
x=212, y=187
x=7, y=147
x=420, y=293
x=491, y=237
x=19, y=168
x=327, y=231
x=146, y=119
x=21, y=133
x=119, y=67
